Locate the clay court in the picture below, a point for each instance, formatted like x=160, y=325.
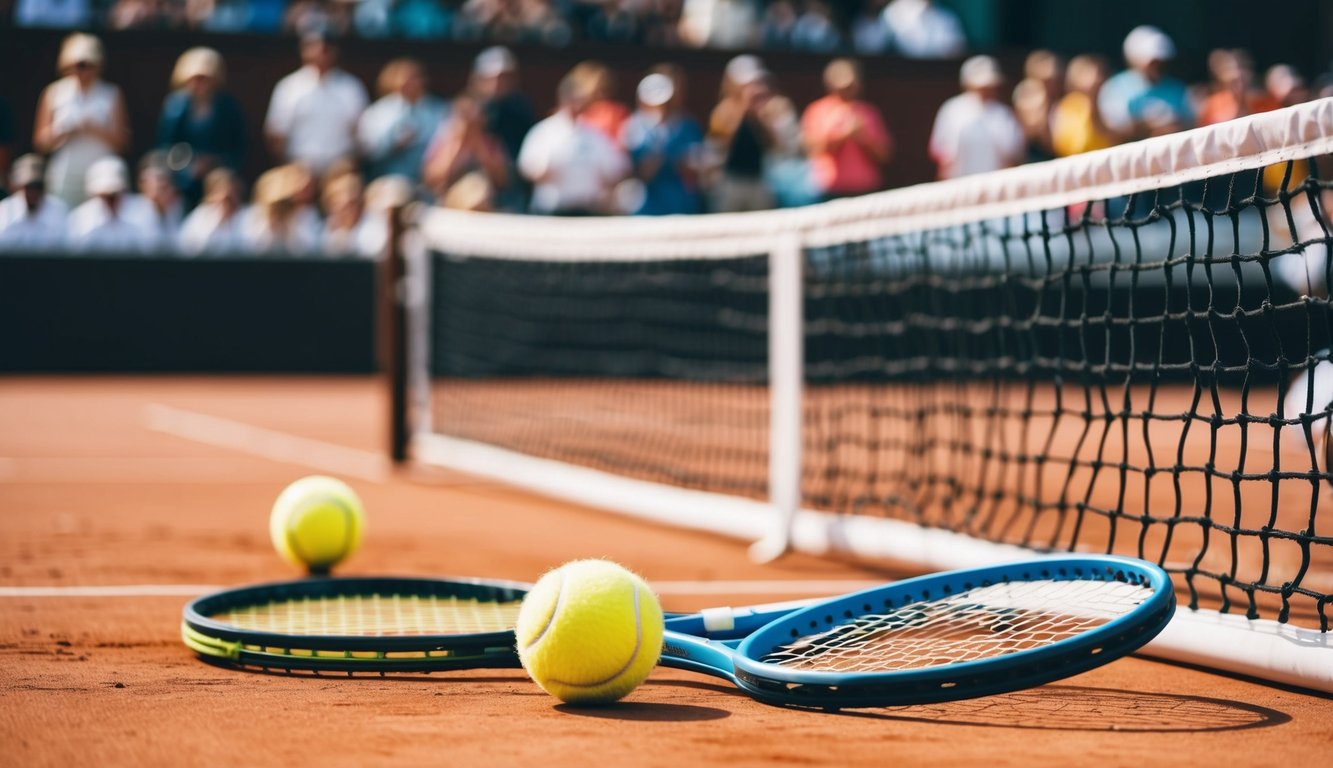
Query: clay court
x=161, y=488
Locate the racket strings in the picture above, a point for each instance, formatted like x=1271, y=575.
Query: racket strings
x=977, y=624
x=376, y=616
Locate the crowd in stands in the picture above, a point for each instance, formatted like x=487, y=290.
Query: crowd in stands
x=345, y=160
x=911, y=28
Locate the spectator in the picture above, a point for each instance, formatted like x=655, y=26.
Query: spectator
x=815, y=31
x=740, y=136
x=1143, y=100
x=344, y=206
x=1076, y=124
x=663, y=145
x=278, y=221
x=603, y=112
x=572, y=166
x=920, y=29
x=1233, y=93
x=727, y=24
x=462, y=147
x=383, y=195
x=307, y=17
x=395, y=131
x=509, y=115
x=214, y=227
x=201, y=126
x=975, y=132
x=845, y=137
x=80, y=119
x=313, y=113
x=1035, y=98
x=30, y=219
x=779, y=20
x=617, y=21
x=63, y=14
x=157, y=208
x=103, y=223
x=1285, y=86
x=145, y=14
x=870, y=34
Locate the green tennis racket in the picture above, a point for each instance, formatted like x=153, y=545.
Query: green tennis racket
x=352, y=625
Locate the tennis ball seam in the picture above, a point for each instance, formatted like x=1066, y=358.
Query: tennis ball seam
x=633, y=657
x=555, y=611
x=349, y=522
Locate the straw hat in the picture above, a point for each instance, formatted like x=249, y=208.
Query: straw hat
x=280, y=184
x=79, y=48
x=198, y=62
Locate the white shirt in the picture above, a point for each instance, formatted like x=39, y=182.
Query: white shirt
x=162, y=227
x=24, y=230
x=206, y=232
x=572, y=166
x=922, y=30
x=974, y=136
x=317, y=115
x=94, y=228
x=301, y=238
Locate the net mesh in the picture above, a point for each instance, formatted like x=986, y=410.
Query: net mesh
x=976, y=624
x=375, y=616
x=1137, y=367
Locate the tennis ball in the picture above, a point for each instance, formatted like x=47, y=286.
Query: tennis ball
x=589, y=632
x=316, y=522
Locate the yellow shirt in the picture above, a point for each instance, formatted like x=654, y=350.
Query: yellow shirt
x=1073, y=130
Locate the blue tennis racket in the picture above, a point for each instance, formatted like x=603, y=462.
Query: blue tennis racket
x=935, y=638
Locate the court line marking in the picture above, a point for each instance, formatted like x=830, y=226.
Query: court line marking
x=675, y=588
x=267, y=443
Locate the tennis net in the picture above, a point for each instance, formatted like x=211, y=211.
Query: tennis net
x=1123, y=352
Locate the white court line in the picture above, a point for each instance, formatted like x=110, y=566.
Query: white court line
x=661, y=587
x=267, y=443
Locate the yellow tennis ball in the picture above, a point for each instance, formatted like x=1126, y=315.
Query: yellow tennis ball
x=316, y=522
x=589, y=632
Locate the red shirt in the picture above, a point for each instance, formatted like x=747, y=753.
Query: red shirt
x=847, y=168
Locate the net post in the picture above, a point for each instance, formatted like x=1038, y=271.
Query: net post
x=786, y=374
x=392, y=330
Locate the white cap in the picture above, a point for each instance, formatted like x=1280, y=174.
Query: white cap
x=745, y=69
x=106, y=177
x=494, y=61
x=656, y=90
x=1146, y=44
x=980, y=72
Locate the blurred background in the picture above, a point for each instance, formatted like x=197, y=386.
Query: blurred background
x=209, y=161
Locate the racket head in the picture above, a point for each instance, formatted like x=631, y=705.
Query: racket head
x=957, y=635
x=358, y=624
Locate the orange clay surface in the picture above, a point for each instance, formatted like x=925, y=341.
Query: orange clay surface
x=99, y=485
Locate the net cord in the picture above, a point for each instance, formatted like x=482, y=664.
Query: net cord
x=1304, y=130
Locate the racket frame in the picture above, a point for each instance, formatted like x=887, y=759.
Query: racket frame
x=223, y=642
x=735, y=655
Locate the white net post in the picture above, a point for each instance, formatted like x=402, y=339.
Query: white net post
x=786, y=373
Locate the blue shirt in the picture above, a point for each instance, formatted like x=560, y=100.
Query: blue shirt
x=674, y=141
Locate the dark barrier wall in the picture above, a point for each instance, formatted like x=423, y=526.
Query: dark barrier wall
x=140, y=62
x=159, y=315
